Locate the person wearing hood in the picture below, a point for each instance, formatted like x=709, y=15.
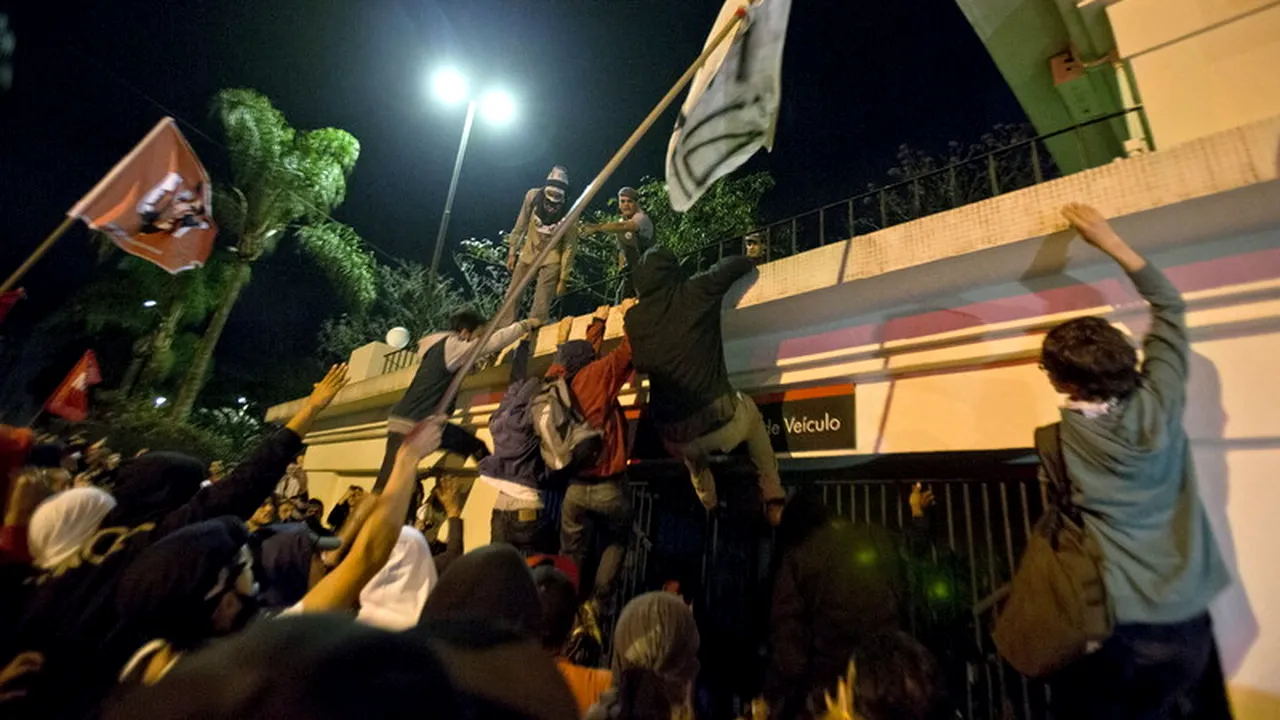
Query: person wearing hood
x=655, y=661
x=1132, y=477
x=71, y=611
x=394, y=598
x=634, y=233
x=541, y=214
x=597, y=505
x=676, y=339
x=515, y=467
x=62, y=523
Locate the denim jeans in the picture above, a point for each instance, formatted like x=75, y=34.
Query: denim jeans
x=601, y=508
x=529, y=531
x=1145, y=672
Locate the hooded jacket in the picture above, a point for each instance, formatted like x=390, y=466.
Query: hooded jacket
x=394, y=598
x=675, y=334
x=1133, y=477
x=71, y=612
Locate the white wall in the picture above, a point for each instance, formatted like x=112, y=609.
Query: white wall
x=1221, y=76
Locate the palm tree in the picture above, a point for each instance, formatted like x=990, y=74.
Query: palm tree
x=284, y=183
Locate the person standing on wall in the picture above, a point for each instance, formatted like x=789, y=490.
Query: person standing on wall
x=540, y=216
x=634, y=233
x=676, y=338
x=1132, y=476
x=442, y=354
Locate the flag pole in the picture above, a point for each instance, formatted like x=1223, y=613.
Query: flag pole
x=35, y=255
x=588, y=194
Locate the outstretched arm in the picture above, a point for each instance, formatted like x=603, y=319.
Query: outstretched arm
x=340, y=589
x=1167, y=345
x=720, y=277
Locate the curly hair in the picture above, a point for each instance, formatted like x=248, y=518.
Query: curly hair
x=465, y=319
x=1093, y=358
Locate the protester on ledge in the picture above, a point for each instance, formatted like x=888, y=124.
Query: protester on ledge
x=634, y=233
x=442, y=355
x=676, y=338
x=1133, y=478
x=543, y=211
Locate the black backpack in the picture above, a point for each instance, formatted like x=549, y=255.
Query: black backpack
x=1055, y=610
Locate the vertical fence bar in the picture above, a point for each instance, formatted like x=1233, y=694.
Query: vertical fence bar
x=839, y=500
x=955, y=186
x=794, y=237
x=1035, y=162
x=1008, y=549
x=768, y=243
x=993, y=583
x=852, y=231
x=973, y=591
x=720, y=248
x=884, y=211
x=951, y=521
x=853, y=503
x=822, y=227
x=991, y=175
x=866, y=502
x=1084, y=159
x=917, y=202
x=884, y=506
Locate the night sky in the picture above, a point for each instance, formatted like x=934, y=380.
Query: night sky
x=859, y=79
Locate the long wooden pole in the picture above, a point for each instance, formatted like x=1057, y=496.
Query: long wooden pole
x=35, y=255
x=588, y=194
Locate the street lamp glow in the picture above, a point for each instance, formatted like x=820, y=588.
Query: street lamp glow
x=449, y=86
x=497, y=107
x=161, y=400
x=148, y=303
x=242, y=400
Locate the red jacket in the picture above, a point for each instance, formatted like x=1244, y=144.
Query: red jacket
x=596, y=389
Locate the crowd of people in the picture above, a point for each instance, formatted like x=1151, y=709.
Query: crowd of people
x=159, y=586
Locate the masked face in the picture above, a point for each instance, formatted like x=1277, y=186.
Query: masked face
x=238, y=603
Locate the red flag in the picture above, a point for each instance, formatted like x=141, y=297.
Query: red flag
x=156, y=203
x=8, y=300
x=71, y=399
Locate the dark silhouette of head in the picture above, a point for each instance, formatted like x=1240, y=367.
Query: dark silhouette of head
x=1089, y=359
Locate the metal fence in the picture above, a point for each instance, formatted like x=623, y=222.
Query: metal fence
x=982, y=176
x=972, y=539
x=398, y=360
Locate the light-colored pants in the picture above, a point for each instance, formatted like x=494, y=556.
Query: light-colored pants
x=747, y=426
x=544, y=291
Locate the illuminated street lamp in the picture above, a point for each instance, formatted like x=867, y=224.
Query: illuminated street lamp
x=497, y=108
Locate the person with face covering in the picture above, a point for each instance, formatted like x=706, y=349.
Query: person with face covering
x=676, y=338
x=71, y=613
x=655, y=662
x=541, y=214
x=62, y=523
x=394, y=598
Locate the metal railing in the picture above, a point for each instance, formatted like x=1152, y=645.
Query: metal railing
x=398, y=360
x=980, y=177
x=973, y=536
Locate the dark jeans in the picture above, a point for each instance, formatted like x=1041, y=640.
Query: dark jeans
x=454, y=440
x=529, y=531
x=1146, y=672
x=603, y=509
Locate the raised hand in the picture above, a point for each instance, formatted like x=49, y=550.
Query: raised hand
x=323, y=392
x=1096, y=231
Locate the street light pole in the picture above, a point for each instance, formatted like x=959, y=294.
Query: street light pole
x=453, y=188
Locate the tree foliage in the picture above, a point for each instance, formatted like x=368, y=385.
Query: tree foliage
x=405, y=297
x=284, y=182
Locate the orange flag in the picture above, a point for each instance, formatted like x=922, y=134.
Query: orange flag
x=156, y=203
x=71, y=399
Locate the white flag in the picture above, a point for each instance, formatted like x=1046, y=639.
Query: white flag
x=732, y=108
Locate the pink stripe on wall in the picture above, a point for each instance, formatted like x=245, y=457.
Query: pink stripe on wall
x=1203, y=275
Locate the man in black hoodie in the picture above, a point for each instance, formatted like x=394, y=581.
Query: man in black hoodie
x=676, y=338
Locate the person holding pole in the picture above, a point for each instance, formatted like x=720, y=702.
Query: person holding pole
x=541, y=215
x=433, y=389
x=634, y=233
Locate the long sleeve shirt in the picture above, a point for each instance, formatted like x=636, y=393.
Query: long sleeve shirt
x=530, y=235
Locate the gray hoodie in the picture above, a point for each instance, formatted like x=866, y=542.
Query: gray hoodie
x=1133, y=476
